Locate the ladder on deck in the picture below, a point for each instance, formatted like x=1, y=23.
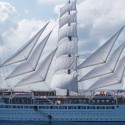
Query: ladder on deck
x=47, y=116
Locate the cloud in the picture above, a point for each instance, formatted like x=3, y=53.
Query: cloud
x=50, y=1
x=98, y=20
x=101, y=13
x=7, y=16
x=57, y=9
x=16, y=37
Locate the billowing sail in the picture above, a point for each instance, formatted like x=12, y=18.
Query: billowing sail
x=65, y=63
x=66, y=60
x=41, y=72
x=101, y=55
x=69, y=31
x=67, y=47
x=70, y=6
x=23, y=53
x=107, y=68
x=112, y=79
x=65, y=81
x=31, y=63
x=67, y=19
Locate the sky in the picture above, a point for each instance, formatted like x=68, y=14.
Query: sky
x=98, y=20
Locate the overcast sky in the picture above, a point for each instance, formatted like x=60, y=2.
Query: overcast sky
x=98, y=20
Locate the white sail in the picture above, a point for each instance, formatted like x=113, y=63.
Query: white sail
x=71, y=18
x=31, y=63
x=115, y=78
x=65, y=81
x=65, y=63
x=23, y=53
x=68, y=31
x=101, y=55
x=70, y=6
x=107, y=68
x=67, y=47
x=41, y=72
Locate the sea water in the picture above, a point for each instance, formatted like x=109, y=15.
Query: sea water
x=60, y=123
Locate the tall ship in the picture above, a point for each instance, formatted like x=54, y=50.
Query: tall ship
x=74, y=104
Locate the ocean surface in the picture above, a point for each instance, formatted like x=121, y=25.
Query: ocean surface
x=61, y=123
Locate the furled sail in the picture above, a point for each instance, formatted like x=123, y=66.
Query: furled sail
x=112, y=79
x=65, y=63
x=23, y=53
x=31, y=64
x=70, y=6
x=67, y=19
x=100, y=56
x=68, y=31
x=65, y=81
x=107, y=68
x=67, y=47
x=41, y=72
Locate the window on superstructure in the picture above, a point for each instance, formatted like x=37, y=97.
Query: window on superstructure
x=62, y=107
x=90, y=107
x=110, y=107
x=107, y=101
x=98, y=101
x=81, y=107
x=100, y=107
x=43, y=107
x=26, y=107
x=54, y=107
x=103, y=101
x=71, y=107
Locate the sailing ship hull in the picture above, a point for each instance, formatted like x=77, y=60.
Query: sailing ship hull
x=73, y=112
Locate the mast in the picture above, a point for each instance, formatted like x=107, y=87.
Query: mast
x=69, y=55
x=65, y=74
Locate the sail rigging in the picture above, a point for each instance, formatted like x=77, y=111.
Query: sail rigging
x=31, y=64
x=107, y=68
x=112, y=79
x=24, y=53
x=41, y=72
x=101, y=55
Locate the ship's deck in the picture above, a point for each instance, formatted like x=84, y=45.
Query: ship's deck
x=46, y=97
